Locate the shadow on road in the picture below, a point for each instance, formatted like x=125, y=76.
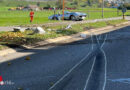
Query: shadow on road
x=44, y=67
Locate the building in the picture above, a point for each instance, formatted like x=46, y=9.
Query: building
x=118, y=1
x=32, y=7
x=127, y=1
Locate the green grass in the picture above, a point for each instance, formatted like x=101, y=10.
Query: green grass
x=114, y=22
x=10, y=18
x=29, y=38
x=3, y=47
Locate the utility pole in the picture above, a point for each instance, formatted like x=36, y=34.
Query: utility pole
x=63, y=9
x=102, y=8
x=60, y=1
x=123, y=9
x=118, y=8
x=88, y=11
x=54, y=13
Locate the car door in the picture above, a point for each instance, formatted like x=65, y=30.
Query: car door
x=66, y=15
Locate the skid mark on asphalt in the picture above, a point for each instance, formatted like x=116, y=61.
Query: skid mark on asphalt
x=102, y=53
x=98, y=70
x=51, y=88
x=121, y=80
x=100, y=45
x=105, y=59
x=70, y=71
x=90, y=74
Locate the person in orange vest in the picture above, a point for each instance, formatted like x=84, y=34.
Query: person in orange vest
x=31, y=16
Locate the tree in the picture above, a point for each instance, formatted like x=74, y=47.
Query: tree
x=38, y=3
x=59, y=4
x=1, y=1
x=89, y=2
x=76, y=2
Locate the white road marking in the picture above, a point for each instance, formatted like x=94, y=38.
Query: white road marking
x=73, y=67
x=78, y=65
x=98, y=40
x=105, y=68
x=105, y=58
x=92, y=40
x=86, y=84
x=104, y=41
x=105, y=74
x=91, y=67
x=100, y=36
x=69, y=72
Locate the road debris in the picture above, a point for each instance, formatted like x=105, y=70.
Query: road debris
x=39, y=30
x=69, y=27
x=27, y=58
x=49, y=29
x=19, y=29
x=51, y=83
x=9, y=63
x=20, y=88
x=83, y=35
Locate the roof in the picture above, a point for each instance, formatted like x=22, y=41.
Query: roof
x=32, y=6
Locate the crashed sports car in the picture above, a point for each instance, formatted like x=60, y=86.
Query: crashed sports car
x=75, y=16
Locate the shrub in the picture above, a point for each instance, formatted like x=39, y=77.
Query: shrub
x=126, y=5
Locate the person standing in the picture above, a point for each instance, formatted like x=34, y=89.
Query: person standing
x=31, y=16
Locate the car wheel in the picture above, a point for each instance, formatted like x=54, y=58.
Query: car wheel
x=73, y=18
x=80, y=19
x=55, y=18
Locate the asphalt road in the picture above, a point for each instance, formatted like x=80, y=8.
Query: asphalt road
x=98, y=63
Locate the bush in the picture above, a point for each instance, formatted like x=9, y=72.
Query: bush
x=47, y=6
x=83, y=5
x=127, y=5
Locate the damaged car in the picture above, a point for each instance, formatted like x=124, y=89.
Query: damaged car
x=74, y=16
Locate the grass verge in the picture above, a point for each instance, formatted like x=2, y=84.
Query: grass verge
x=22, y=38
x=2, y=47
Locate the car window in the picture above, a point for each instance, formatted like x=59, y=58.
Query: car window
x=66, y=12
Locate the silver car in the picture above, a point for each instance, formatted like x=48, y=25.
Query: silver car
x=75, y=16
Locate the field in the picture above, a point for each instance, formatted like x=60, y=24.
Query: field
x=9, y=18
x=15, y=3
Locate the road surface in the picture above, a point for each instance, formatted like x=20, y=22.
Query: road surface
x=98, y=63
